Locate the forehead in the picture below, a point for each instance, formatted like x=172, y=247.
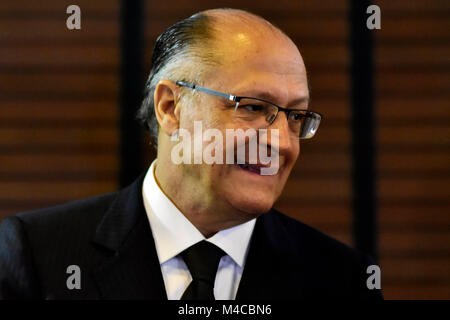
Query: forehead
x=256, y=44
x=264, y=64
x=258, y=47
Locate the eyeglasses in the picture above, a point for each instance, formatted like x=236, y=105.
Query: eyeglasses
x=259, y=113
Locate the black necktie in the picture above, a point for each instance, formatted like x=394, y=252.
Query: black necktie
x=202, y=259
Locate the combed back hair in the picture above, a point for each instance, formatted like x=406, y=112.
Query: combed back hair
x=179, y=54
x=186, y=50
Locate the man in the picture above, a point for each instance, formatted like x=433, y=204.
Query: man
x=196, y=229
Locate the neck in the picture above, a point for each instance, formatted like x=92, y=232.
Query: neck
x=208, y=214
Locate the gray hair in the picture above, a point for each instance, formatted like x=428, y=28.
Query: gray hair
x=178, y=54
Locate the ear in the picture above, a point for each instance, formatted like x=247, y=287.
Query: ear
x=165, y=102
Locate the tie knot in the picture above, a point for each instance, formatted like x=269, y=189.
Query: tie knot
x=203, y=259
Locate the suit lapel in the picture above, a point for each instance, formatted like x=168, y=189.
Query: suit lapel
x=131, y=267
x=268, y=274
x=256, y=282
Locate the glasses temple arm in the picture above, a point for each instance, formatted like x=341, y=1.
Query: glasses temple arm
x=199, y=88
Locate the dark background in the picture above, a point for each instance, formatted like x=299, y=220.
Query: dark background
x=60, y=136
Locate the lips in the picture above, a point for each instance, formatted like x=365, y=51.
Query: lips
x=254, y=168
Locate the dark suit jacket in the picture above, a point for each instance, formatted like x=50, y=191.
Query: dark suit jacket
x=110, y=239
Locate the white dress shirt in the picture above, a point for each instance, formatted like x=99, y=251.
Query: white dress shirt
x=173, y=233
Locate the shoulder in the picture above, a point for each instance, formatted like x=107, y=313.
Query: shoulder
x=301, y=236
x=36, y=246
x=61, y=225
x=82, y=210
x=312, y=248
x=333, y=268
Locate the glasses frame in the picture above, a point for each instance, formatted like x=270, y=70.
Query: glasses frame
x=237, y=99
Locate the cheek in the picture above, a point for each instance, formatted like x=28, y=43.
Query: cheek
x=290, y=158
x=295, y=152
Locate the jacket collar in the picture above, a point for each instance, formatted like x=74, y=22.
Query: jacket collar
x=131, y=268
x=275, y=267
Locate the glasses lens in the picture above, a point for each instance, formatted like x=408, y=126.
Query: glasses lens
x=258, y=114
x=255, y=112
x=304, y=123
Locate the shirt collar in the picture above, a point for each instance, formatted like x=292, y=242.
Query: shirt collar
x=173, y=232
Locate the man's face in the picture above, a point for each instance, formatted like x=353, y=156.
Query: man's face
x=253, y=67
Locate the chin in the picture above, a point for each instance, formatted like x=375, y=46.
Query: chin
x=254, y=206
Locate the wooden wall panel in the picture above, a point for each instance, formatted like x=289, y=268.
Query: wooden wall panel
x=58, y=103
x=413, y=117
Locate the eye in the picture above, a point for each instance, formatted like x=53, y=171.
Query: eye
x=297, y=116
x=252, y=107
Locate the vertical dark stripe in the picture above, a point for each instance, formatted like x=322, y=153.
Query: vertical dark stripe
x=131, y=86
x=362, y=126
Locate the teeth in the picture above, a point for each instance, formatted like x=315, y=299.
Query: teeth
x=250, y=168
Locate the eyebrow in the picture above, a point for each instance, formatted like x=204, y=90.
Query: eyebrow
x=264, y=95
